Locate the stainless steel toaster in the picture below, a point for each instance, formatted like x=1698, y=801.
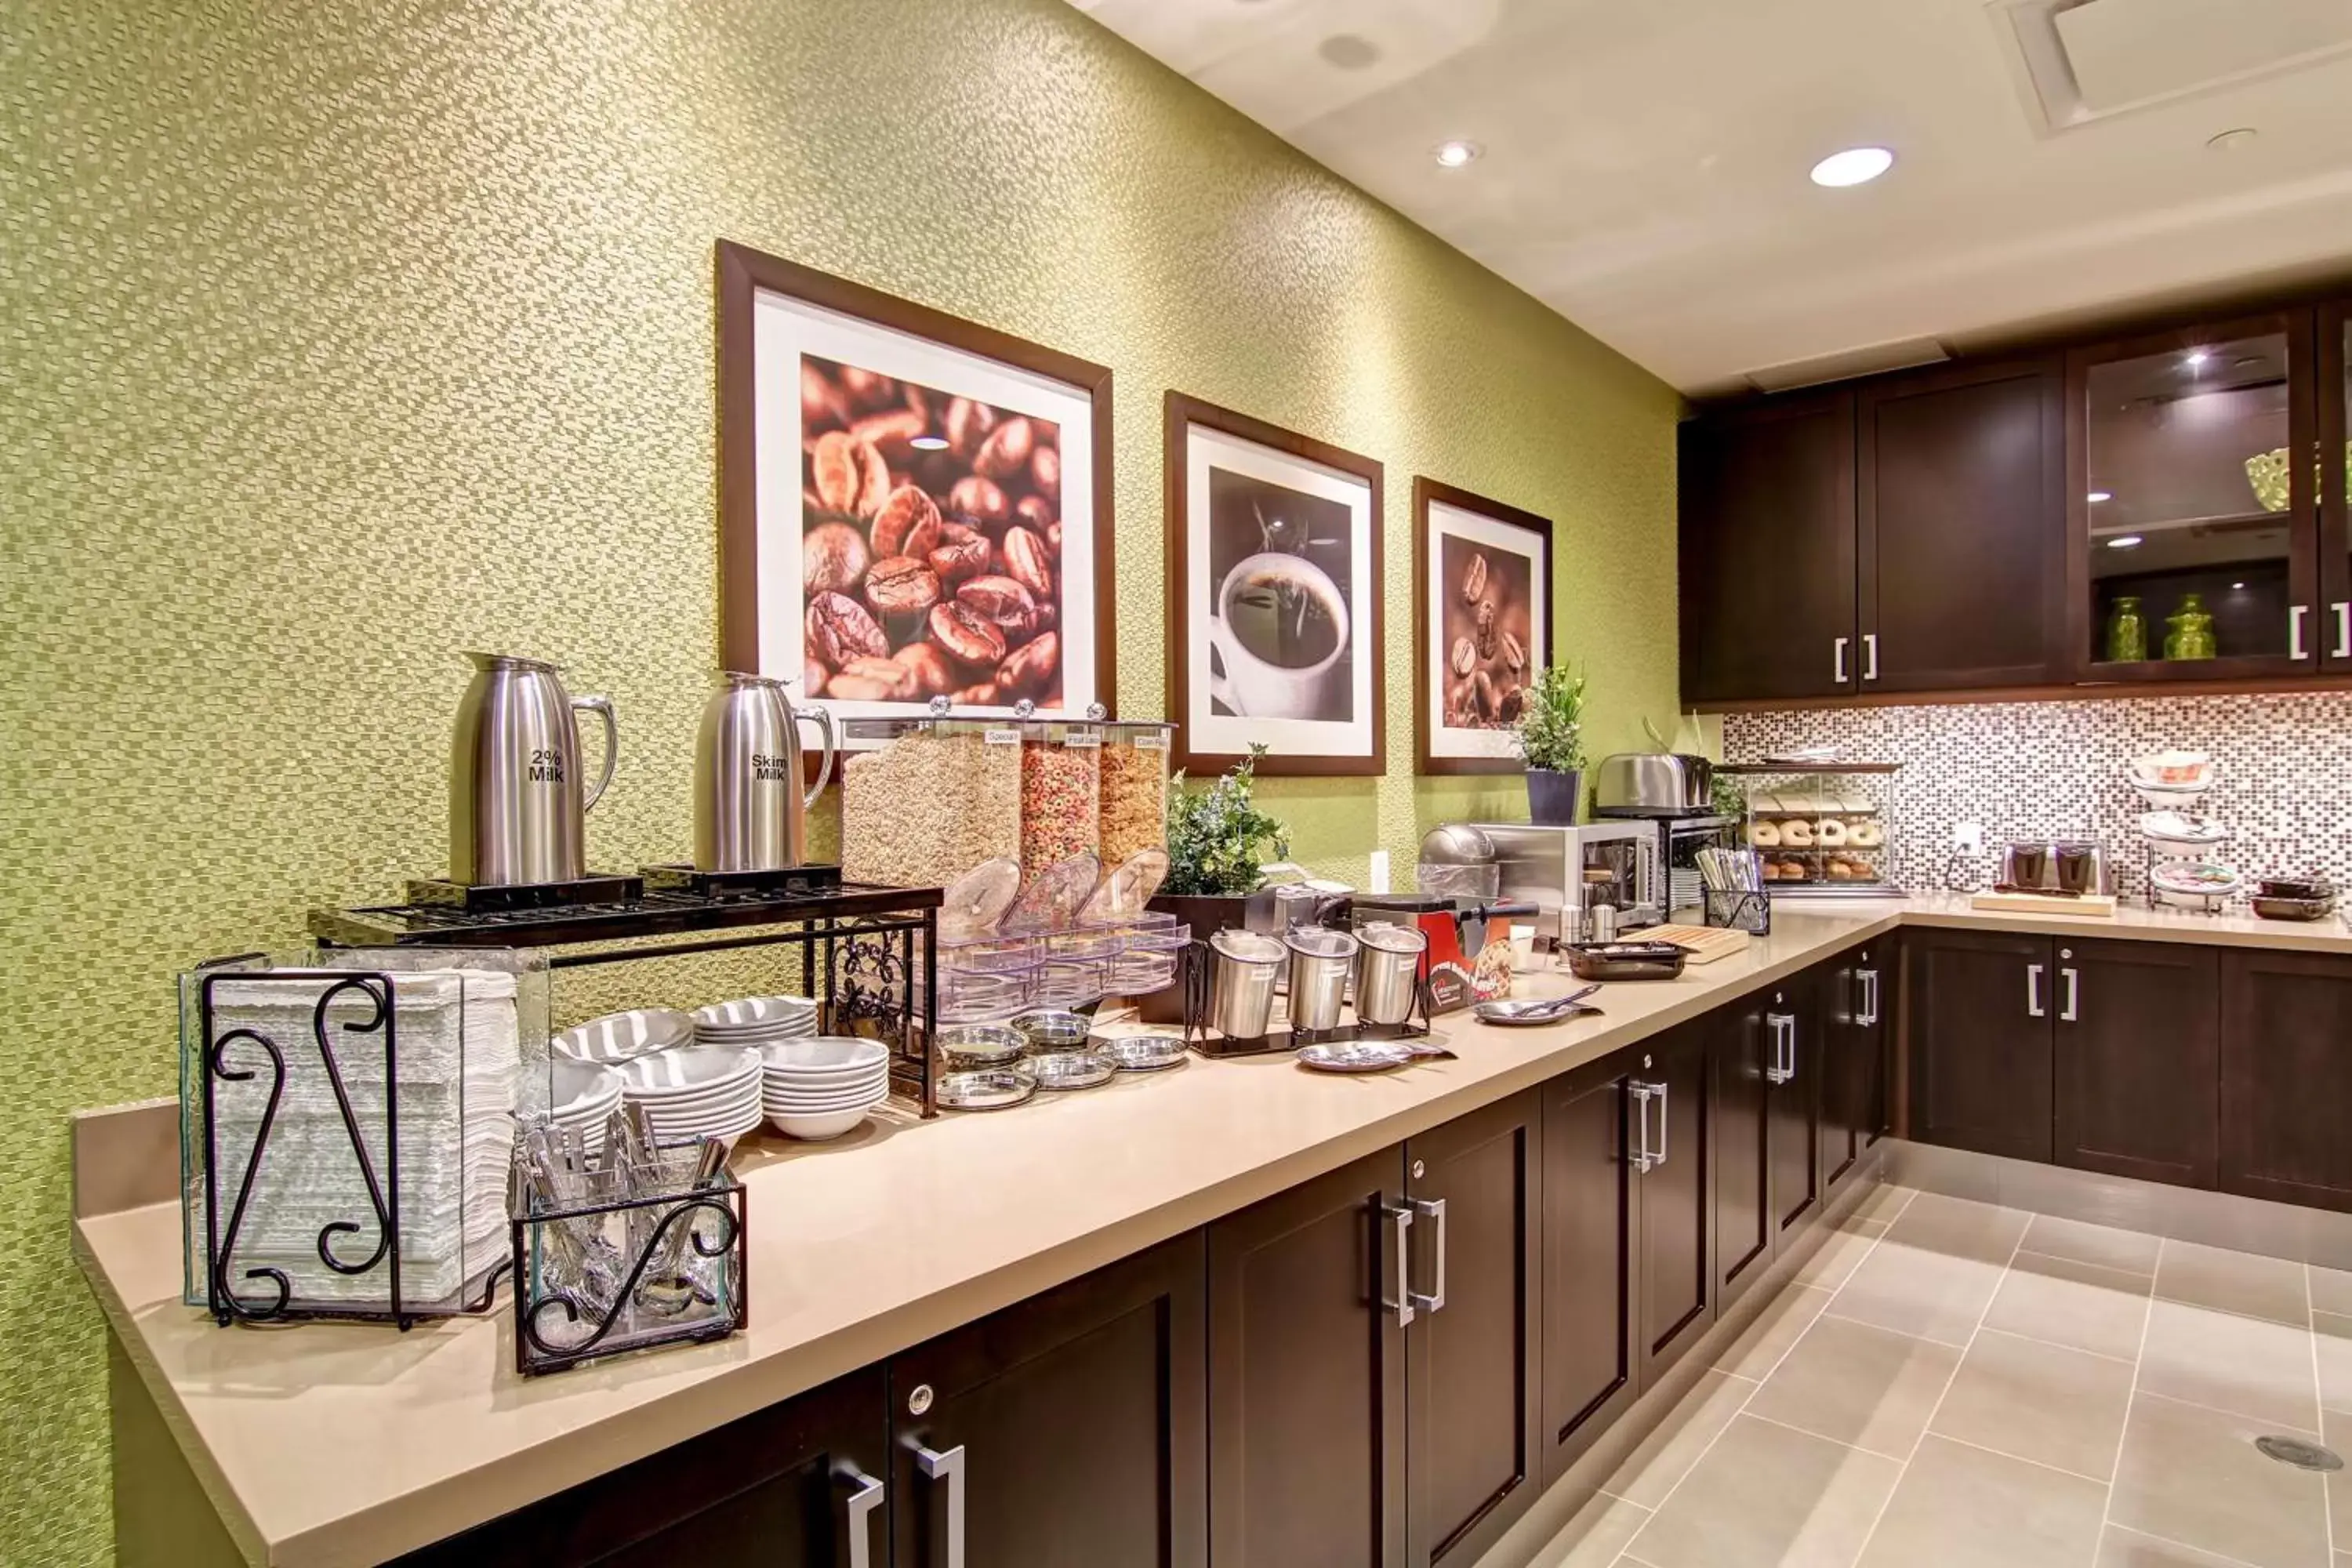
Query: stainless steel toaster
x=1652, y=783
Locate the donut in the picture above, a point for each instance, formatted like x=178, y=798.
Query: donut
x=1763, y=835
x=1865, y=836
x=1797, y=835
x=1830, y=833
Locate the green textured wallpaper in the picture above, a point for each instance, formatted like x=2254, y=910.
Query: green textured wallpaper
x=337, y=336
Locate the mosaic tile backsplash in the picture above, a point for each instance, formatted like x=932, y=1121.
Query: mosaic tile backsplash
x=2283, y=775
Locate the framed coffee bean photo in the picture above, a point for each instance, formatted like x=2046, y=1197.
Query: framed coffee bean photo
x=1274, y=596
x=1481, y=626
x=912, y=506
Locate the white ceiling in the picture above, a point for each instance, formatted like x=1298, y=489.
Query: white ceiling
x=1645, y=161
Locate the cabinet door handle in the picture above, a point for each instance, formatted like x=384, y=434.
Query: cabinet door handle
x=860, y=1512
x=2033, y=992
x=1870, y=655
x=1639, y=1155
x=2073, y=978
x=2294, y=616
x=2343, y=608
x=1784, y=1055
x=1659, y=1090
x=1402, y=1304
x=1433, y=1210
x=1869, y=978
x=948, y=1470
x=1837, y=659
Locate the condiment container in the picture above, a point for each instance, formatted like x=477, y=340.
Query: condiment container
x=1241, y=982
x=941, y=796
x=1387, y=972
x=1134, y=791
x=1319, y=961
x=1060, y=781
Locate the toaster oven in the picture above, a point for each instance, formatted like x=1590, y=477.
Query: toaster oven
x=1568, y=872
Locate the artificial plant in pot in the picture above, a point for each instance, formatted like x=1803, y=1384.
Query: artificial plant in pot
x=1218, y=845
x=1550, y=737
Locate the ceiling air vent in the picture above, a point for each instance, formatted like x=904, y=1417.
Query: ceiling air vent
x=1847, y=363
x=2082, y=60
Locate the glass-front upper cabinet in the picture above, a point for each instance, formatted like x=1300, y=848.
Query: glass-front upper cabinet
x=2195, y=542
x=2335, y=478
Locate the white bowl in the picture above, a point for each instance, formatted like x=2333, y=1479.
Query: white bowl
x=823, y=1083
x=617, y=1036
x=574, y=1087
x=664, y=1074
x=669, y=1129
x=817, y=1129
x=753, y=1014
x=775, y=1103
x=824, y=1054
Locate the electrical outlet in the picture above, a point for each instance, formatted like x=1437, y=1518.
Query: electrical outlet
x=1967, y=838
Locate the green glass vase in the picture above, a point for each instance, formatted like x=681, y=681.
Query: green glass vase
x=2126, y=631
x=2191, y=633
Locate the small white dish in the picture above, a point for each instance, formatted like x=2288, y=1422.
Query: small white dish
x=818, y=1127
x=822, y=1054
x=577, y=1087
x=619, y=1037
x=754, y=1013
x=817, y=1102
x=667, y=1074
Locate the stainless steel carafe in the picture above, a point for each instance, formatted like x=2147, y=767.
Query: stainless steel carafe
x=517, y=809
x=750, y=814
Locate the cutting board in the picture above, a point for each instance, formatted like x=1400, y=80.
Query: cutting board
x=2091, y=906
x=1705, y=943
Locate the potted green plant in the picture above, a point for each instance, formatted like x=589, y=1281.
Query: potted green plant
x=1549, y=735
x=1218, y=845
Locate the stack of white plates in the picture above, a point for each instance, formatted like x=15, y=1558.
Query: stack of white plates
x=583, y=1095
x=755, y=1021
x=699, y=1092
x=621, y=1036
x=822, y=1086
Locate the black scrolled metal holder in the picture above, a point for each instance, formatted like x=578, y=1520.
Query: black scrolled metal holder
x=536, y=1353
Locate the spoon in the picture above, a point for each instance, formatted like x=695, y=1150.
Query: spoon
x=1541, y=1011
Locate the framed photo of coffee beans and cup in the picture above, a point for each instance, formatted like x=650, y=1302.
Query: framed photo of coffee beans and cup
x=1274, y=596
x=912, y=505
x=1481, y=626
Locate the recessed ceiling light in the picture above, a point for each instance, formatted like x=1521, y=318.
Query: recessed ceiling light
x=2098, y=496
x=2239, y=587
x=2229, y=139
x=929, y=443
x=1854, y=166
x=2195, y=358
x=2125, y=542
x=1454, y=154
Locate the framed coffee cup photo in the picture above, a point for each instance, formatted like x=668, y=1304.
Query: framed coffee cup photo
x=1482, y=626
x=912, y=506
x=1274, y=598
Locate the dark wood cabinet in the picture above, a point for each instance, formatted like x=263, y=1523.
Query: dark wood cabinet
x=2334, y=420
x=2138, y=1058
x=1741, y=1060
x=2286, y=1077
x=1069, y=1431
x=1962, y=507
x=1977, y=1033
x=1792, y=1120
x=1674, y=1276
x=1474, y=1452
x=1766, y=557
x=1307, y=1373
x=1591, y=1218
x=787, y=1487
x=1852, y=997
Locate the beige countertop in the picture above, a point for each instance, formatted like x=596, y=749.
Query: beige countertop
x=327, y=1445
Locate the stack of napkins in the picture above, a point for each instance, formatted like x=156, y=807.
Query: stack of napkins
x=459, y=1066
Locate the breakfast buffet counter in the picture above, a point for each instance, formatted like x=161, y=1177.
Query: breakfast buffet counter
x=328, y=1445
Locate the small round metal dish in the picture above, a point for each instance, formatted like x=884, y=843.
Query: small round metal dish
x=986, y=1088
x=981, y=1044
x=1061, y=1070
x=1153, y=1050
x=1051, y=1029
x=1354, y=1056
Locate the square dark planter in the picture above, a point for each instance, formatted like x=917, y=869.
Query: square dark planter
x=1205, y=914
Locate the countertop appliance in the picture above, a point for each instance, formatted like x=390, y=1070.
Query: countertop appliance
x=1680, y=838
x=516, y=808
x=1568, y=872
x=1653, y=783
x=750, y=814
x=2070, y=866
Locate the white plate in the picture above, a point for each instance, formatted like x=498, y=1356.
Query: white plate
x=576, y=1087
x=775, y=1103
x=674, y=1072
x=753, y=1012
x=817, y=1129
x=670, y=1130
x=823, y=1053
x=617, y=1036
x=774, y=1087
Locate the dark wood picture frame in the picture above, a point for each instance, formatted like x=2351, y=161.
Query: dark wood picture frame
x=1181, y=413
x=1426, y=490
x=743, y=272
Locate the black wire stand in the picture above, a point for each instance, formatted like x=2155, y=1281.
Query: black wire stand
x=691, y=1244
x=1199, y=960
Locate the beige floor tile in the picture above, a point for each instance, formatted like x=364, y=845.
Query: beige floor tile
x=2336, y=1431
x=1959, y=1507
x=2259, y=1369
x=1839, y=1251
x=2333, y=1338
x=1767, y=1338
x=1765, y=1497
x=2039, y=1402
x=2130, y=1549
x=1666, y=1455
x=2079, y=1305
x=1853, y=1383
x=1596, y=1537
x=2239, y=1282
x=1917, y=1290
x=2331, y=1291
x=2191, y=1474
x=1884, y=1203
x=1960, y=1228
x=2125, y=1251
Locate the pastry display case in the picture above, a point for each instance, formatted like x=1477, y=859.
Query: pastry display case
x=1822, y=829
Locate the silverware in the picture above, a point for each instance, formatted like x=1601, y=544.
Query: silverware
x=1549, y=1010
x=1355, y=1055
